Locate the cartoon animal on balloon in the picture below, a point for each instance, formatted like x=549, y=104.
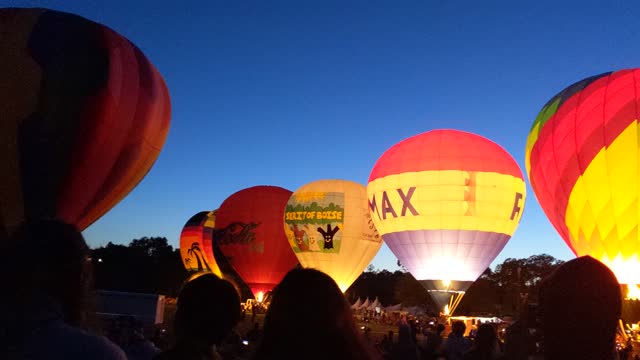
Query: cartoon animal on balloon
x=313, y=240
x=299, y=236
x=328, y=235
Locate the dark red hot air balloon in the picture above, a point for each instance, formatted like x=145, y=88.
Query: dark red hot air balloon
x=83, y=117
x=249, y=231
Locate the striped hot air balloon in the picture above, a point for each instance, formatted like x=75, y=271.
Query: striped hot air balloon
x=446, y=202
x=582, y=160
x=196, y=247
x=83, y=117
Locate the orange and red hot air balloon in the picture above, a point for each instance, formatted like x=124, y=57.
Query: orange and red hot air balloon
x=250, y=234
x=583, y=162
x=83, y=117
x=446, y=202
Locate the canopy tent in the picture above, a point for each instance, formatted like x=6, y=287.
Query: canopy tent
x=414, y=310
x=365, y=304
x=375, y=304
x=357, y=304
x=391, y=308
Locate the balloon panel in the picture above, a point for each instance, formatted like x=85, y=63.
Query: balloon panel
x=329, y=228
x=250, y=234
x=85, y=116
x=196, y=243
x=446, y=202
x=446, y=254
x=582, y=161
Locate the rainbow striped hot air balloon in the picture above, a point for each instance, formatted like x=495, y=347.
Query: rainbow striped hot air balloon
x=582, y=161
x=196, y=247
x=446, y=202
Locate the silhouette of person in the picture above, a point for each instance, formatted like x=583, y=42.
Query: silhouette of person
x=580, y=304
x=485, y=346
x=208, y=309
x=47, y=307
x=405, y=348
x=132, y=340
x=456, y=344
x=432, y=343
x=309, y=318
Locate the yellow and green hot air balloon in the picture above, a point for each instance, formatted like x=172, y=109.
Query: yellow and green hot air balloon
x=583, y=164
x=330, y=229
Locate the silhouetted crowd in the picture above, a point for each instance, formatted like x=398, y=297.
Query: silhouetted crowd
x=46, y=314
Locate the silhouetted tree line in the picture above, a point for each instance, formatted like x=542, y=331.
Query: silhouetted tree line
x=151, y=265
x=497, y=292
x=146, y=265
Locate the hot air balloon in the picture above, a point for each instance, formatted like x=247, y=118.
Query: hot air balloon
x=446, y=202
x=83, y=118
x=582, y=161
x=249, y=233
x=330, y=229
x=196, y=247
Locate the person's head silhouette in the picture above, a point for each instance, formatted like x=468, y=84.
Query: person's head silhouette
x=309, y=308
x=207, y=310
x=486, y=338
x=580, y=304
x=55, y=265
x=458, y=328
x=49, y=295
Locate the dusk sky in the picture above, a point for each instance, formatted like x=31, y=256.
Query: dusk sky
x=288, y=92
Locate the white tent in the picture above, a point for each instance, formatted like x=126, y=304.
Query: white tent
x=414, y=310
x=396, y=307
x=374, y=304
x=365, y=304
x=357, y=304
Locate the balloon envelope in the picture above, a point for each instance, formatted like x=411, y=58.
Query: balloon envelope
x=196, y=248
x=330, y=229
x=582, y=160
x=83, y=118
x=446, y=202
x=249, y=233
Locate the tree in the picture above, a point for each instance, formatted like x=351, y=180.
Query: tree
x=518, y=280
x=147, y=265
x=152, y=246
x=500, y=292
x=410, y=292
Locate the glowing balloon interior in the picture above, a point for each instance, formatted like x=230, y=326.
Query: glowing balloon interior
x=446, y=202
x=250, y=234
x=330, y=229
x=582, y=160
x=196, y=248
x=83, y=118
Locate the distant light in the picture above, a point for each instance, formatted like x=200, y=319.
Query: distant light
x=633, y=292
x=99, y=259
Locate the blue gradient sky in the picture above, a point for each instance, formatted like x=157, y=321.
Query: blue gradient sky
x=285, y=93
